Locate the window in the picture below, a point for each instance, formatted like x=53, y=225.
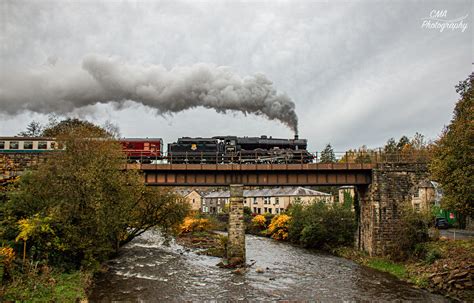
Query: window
x=2, y=144
x=277, y=210
x=266, y=200
x=282, y=210
x=416, y=194
x=270, y=210
x=14, y=145
x=259, y=210
x=194, y=201
x=27, y=145
x=265, y=209
x=277, y=200
x=254, y=200
x=42, y=145
x=53, y=145
x=255, y=210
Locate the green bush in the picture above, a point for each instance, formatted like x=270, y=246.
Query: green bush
x=320, y=225
x=414, y=231
x=432, y=255
x=297, y=223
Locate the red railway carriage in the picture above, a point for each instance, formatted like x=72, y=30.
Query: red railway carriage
x=144, y=150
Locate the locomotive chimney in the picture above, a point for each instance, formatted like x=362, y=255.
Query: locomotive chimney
x=296, y=136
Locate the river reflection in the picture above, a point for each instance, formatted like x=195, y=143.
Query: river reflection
x=148, y=271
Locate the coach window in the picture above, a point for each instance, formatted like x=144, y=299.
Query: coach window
x=27, y=145
x=42, y=145
x=14, y=144
x=2, y=144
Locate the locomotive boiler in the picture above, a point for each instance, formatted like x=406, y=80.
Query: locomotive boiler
x=233, y=149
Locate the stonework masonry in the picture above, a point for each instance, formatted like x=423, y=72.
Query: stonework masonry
x=236, y=246
x=381, y=203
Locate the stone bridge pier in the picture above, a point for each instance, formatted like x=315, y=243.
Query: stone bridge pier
x=381, y=202
x=236, y=244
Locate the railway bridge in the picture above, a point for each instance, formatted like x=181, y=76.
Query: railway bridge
x=382, y=187
x=309, y=174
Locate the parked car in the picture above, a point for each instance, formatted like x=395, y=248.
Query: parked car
x=441, y=223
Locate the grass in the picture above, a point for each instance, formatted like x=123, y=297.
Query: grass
x=396, y=269
x=56, y=287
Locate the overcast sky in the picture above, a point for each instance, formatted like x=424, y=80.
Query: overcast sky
x=359, y=72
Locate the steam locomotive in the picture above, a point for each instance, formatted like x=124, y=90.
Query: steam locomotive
x=233, y=149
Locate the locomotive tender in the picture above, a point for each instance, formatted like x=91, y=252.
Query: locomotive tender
x=233, y=149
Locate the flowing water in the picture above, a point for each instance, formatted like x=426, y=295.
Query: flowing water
x=148, y=271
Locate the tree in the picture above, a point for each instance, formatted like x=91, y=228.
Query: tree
x=91, y=205
x=452, y=165
x=418, y=141
x=327, y=155
x=69, y=126
x=34, y=129
x=402, y=143
x=391, y=146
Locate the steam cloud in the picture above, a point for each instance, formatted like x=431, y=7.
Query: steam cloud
x=61, y=89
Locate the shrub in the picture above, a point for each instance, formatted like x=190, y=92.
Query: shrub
x=322, y=226
x=7, y=256
x=278, y=228
x=195, y=225
x=413, y=231
x=432, y=255
x=260, y=222
x=297, y=223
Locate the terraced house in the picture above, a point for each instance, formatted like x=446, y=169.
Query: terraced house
x=269, y=200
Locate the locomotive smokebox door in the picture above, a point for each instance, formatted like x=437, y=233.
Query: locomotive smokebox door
x=193, y=146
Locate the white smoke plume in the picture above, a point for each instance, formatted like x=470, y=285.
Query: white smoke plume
x=61, y=89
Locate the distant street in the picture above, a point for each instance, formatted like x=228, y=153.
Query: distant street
x=457, y=234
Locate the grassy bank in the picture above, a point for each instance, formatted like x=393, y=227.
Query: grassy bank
x=445, y=267
x=45, y=286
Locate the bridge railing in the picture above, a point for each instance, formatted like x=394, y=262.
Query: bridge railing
x=368, y=157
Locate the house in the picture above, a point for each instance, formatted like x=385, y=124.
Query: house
x=345, y=192
x=277, y=200
x=193, y=197
x=270, y=200
x=426, y=195
x=215, y=202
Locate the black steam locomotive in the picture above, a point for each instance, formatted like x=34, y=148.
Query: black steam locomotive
x=233, y=149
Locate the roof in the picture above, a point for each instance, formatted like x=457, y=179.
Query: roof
x=271, y=192
x=185, y=192
x=19, y=138
x=139, y=139
x=426, y=184
x=347, y=187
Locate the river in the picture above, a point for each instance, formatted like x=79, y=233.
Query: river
x=148, y=271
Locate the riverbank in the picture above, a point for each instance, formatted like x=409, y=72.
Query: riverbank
x=444, y=267
x=47, y=285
